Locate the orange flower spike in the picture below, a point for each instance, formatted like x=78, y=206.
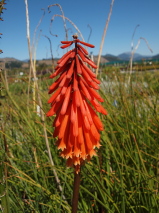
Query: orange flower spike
x=75, y=102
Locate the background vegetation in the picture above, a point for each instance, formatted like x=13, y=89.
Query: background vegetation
x=123, y=177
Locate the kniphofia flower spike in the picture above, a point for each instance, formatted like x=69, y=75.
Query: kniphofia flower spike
x=75, y=103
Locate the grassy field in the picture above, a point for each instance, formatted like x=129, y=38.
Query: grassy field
x=123, y=178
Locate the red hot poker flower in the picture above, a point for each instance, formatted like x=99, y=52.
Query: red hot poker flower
x=75, y=103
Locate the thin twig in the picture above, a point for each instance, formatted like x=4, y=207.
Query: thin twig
x=52, y=58
x=63, y=17
x=90, y=33
x=80, y=34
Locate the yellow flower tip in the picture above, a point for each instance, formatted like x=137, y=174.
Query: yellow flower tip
x=83, y=156
x=77, y=169
x=62, y=147
x=92, y=153
x=98, y=145
x=77, y=153
x=76, y=161
x=69, y=155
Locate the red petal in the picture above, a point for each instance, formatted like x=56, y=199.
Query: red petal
x=66, y=45
x=86, y=44
x=65, y=42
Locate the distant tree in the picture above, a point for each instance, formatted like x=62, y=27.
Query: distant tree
x=13, y=64
x=42, y=66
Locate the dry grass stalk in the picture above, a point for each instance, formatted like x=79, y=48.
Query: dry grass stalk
x=103, y=37
x=33, y=69
x=133, y=52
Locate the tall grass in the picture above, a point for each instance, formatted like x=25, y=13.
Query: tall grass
x=123, y=177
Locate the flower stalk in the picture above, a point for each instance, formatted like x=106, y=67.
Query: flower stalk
x=75, y=103
x=76, y=187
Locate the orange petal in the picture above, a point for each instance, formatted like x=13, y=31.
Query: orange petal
x=54, y=108
x=67, y=153
x=82, y=56
x=65, y=86
x=83, y=49
x=61, y=144
x=95, y=132
x=88, y=142
x=80, y=128
x=94, y=94
x=65, y=42
x=75, y=124
x=54, y=96
x=63, y=81
x=76, y=150
x=73, y=109
x=91, y=63
x=64, y=123
x=75, y=82
x=96, y=119
x=59, y=70
x=99, y=107
x=77, y=98
x=64, y=56
x=88, y=113
x=85, y=90
x=54, y=86
x=56, y=131
x=88, y=70
x=66, y=100
x=71, y=69
x=83, y=110
x=83, y=154
x=78, y=66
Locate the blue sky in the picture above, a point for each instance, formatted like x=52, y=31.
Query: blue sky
x=84, y=14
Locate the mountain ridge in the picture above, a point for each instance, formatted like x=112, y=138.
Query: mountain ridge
x=125, y=56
